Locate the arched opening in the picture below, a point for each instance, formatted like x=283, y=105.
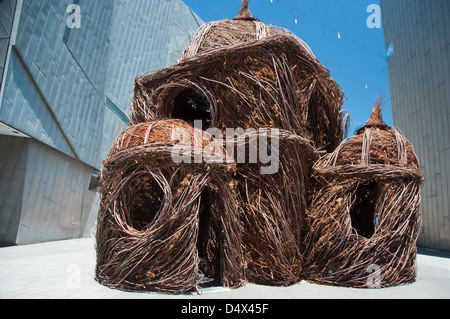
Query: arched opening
x=145, y=200
x=190, y=105
x=363, y=210
x=205, y=231
x=205, y=222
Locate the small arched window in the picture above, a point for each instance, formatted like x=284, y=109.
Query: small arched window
x=363, y=210
x=190, y=105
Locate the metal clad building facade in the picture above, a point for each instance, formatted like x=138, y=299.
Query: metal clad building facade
x=65, y=94
x=418, y=31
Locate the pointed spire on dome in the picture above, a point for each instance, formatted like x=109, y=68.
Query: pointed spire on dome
x=244, y=13
x=377, y=119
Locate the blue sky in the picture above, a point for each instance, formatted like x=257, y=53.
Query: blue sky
x=355, y=59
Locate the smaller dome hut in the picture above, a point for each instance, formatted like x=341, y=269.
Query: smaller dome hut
x=365, y=215
x=158, y=219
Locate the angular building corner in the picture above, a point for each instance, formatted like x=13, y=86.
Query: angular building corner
x=417, y=35
x=65, y=94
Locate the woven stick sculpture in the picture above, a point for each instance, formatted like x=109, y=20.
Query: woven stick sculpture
x=365, y=215
x=163, y=221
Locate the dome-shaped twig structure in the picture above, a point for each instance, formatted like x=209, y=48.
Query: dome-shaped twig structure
x=365, y=216
x=148, y=225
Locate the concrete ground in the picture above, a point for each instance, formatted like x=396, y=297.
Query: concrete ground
x=65, y=270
